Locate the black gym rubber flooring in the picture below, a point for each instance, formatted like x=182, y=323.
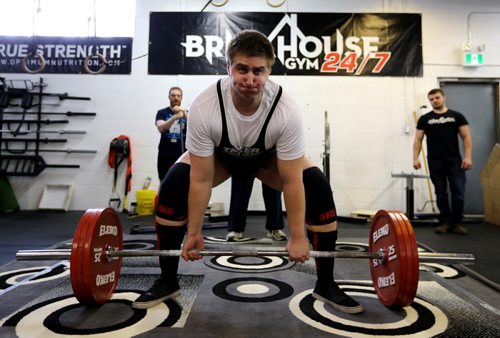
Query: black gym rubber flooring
x=244, y=297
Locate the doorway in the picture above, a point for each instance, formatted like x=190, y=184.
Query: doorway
x=478, y=101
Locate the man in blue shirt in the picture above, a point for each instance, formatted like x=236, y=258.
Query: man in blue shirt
x=171, y=123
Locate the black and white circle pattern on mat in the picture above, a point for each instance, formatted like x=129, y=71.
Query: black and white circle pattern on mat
x=64, y=316
x=249, y=263
x=11, y=277
x=441, y=270
x=351, y=246
x=420, y=319
x=252, y=290
x=445, y=271
x=223, y=240
x=142, y=244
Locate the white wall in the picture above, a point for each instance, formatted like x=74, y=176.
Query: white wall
x=368, y=116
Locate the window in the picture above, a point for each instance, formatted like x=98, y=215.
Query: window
x=113, y=18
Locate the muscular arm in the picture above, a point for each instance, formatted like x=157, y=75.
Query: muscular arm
x=293, y=192
x=417, y=147
x=200, y=189
x=464, y=132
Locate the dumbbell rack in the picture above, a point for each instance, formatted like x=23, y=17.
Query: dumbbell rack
x=21, y=127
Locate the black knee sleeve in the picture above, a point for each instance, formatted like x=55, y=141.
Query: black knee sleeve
x=173, y=194
x=320, y=207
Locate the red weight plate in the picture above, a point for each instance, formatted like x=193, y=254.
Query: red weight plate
x=100, y=275
x=389, y=277
x=413, y=265
x=76, y=259
x=78, y=267
x=85, y=296
x=95, y=278
x=404, y=258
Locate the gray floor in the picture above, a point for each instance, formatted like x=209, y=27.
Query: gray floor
x=459, y=305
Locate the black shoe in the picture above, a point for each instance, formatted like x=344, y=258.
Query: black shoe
x=336, y=297
x=156, y=294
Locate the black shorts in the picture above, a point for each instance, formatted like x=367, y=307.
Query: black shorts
x=173, y=196
x=320, y=207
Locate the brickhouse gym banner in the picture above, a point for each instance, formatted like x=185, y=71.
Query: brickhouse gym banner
x=65, y=55
x=348, y=44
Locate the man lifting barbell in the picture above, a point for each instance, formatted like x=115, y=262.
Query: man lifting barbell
x=246, y=125
x=261, y=134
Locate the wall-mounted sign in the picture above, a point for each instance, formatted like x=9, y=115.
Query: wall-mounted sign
x=65, y=55
x=348, y=44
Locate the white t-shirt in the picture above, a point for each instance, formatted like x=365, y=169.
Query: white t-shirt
x=284, y=130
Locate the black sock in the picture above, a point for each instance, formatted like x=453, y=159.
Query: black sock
x=323, y=241
x=169, y=238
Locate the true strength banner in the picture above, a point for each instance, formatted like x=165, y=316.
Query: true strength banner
x=65, y=55
x=347, y=44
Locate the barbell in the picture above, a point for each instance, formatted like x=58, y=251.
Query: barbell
x=97, y=251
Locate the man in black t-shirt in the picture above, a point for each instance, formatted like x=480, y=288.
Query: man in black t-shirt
x=441, y=126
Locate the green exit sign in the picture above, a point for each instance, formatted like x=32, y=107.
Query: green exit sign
x=472, y=59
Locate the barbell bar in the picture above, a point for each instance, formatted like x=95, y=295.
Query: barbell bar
x=97, y=251
x=53, y=254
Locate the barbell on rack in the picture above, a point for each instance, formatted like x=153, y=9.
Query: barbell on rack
x=97, y=252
